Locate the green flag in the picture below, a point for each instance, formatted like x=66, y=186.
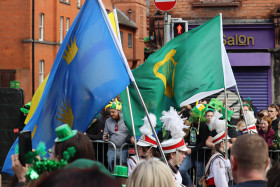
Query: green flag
x=190, y=67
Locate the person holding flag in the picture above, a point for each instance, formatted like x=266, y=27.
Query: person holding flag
x=146, y=145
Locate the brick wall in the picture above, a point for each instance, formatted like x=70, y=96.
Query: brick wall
x=249, y=9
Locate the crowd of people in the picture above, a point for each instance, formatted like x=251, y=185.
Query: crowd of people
x=238, y=153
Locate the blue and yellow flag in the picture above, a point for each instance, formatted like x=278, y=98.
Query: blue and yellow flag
x=89, y=70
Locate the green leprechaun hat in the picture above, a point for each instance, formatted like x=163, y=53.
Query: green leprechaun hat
x=120, y=171
x=229, y=113
x=216, y=104
x=26, y=108
x=64, y=132
x=114, y=105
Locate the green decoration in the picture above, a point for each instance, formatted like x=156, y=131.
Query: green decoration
x=229, y=113
x=16, y=149
x=40, y=165
x=215, y=104
x=26, y=108
x=64, y=132
x=114, y=105
x=146, y=39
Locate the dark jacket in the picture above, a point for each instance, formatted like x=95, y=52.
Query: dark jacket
x=199, y=141
x=95, y=131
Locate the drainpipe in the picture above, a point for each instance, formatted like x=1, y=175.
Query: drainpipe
x=33, y=55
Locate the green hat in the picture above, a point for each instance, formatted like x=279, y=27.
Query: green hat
x=26, y=108
x=209, y=109
x=64, y=132
x=229, y=113
x=216, y=104
x=146, y=39
x=199, y=110
x=120, y=171
x=86, y=163
x=114, y=105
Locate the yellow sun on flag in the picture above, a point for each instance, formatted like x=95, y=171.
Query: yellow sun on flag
x=67, y=115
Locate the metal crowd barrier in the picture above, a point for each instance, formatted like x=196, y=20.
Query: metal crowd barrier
x=273, y=154
x=103, y=155
x=124, y=145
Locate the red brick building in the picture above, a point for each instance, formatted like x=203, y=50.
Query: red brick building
x=52, y=19
x=251, y=37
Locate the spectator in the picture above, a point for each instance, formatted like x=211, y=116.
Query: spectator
x=276, y=140
x=266, y=131
x=196, y=137
x=96, y=128
x=146, y=145
x=174, y=148
x=150, y=173
x=249, y=159
x=208, y=115
x=218, y=171
x=260, y=115
x=246, y=107
x=273, y=111
x=240, y=125
x=116, y=131
x=273, y=176
x=66, y=137
x=72, y=138
x=232, y=133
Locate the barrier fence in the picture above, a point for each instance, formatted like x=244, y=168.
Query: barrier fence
x=273, y=154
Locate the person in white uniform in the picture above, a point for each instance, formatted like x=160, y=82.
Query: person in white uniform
x=218, y=168
x=175, y=148
x=146, y=145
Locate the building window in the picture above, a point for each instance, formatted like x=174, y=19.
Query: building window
x=129, y=40
x=41, y=27
x=67, y=24
x=121, y=33
x=79, y=3
x=61, y=30
x=41, y=71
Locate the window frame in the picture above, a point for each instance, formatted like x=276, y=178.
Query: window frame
x=61, y=29
x=41, y=26
x=67, y=24
x=121, y=37
x=79, y=3
x=41, y=71
x=129, y=40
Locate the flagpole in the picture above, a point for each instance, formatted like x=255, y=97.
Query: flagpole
x=241, y=106
x=225, y=92
x=119, y=47
x=153, y=129
x=127, y=91
x=132, y=123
